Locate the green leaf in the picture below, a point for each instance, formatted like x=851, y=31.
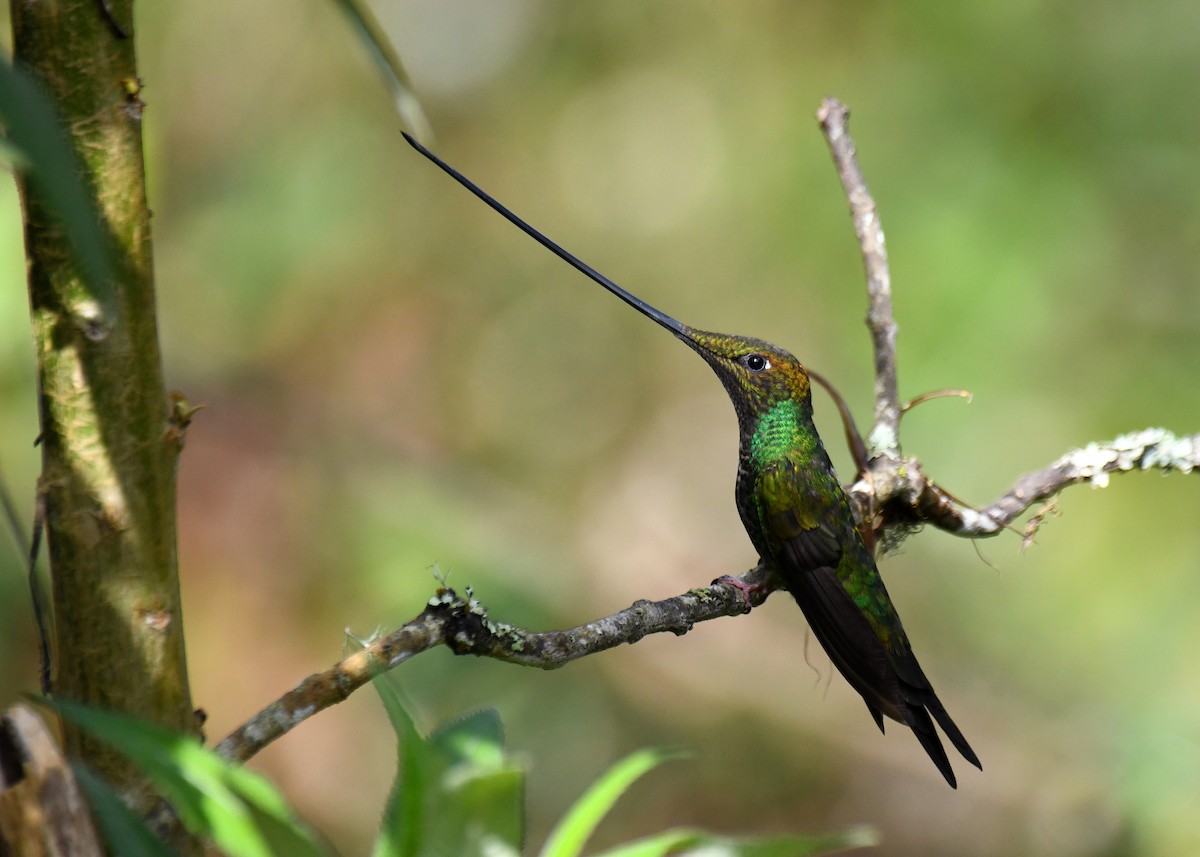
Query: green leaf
x=400, y=833
x=482, y=807
x=684, y=840
x=667, y=842
x=37, y=145
x=572, y=832
x=475, y=741
x=124, y=832
x=240, y=811
x=805, y=846
x=455, y=792
x=387, y=61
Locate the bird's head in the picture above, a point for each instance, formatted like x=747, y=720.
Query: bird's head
x=756, y=374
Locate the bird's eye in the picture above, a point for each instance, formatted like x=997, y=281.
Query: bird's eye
x=756, y=363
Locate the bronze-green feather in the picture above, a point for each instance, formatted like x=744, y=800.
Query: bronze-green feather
x=798, y=516
x=799, y=519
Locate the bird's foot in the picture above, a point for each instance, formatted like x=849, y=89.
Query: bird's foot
x=748, y=590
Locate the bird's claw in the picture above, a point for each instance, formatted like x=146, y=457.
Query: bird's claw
x=748, y=590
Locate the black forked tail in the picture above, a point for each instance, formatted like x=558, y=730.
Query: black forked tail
x=956, y=737
x=920, y=703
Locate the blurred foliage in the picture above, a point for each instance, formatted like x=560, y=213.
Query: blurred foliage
x=456, y=792
x=238, y=811
x=395, y=379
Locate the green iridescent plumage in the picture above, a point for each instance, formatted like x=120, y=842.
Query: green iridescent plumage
x=798, y=516
x=799, y=519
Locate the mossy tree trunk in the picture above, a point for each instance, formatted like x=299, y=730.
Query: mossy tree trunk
x=110, y=436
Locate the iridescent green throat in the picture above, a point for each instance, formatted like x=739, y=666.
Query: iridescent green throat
x=783, y=431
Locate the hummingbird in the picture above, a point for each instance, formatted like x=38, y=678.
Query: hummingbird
x=797, y=515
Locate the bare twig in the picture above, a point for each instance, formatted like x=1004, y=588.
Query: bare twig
x=912, y=498
x=324, y=689
x=1149, y=449
x=935, y=394
x=884, y=439
x=893, y=491
x=463, y=626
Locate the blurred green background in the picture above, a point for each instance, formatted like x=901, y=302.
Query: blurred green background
x=396, y=379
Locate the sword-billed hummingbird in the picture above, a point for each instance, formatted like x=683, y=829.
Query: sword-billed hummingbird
x=798, y=516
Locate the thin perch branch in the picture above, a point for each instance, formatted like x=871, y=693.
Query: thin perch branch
x=463, y=626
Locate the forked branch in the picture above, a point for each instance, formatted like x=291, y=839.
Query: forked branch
x=891, y=491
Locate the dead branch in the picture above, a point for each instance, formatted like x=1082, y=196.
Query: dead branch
x=891, y=491
x=884, y=439
x=1149, y=449
x=462, y=624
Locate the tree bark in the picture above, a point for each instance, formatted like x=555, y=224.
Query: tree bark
x=110, y=437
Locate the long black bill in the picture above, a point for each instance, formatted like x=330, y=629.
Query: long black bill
x=579, y=265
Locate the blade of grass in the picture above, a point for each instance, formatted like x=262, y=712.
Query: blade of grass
x=401, y=831
x=240, y=811
x=574, y=829
x=675, y=841
x=387, y=61
x=46, y=158
x=124, y=833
